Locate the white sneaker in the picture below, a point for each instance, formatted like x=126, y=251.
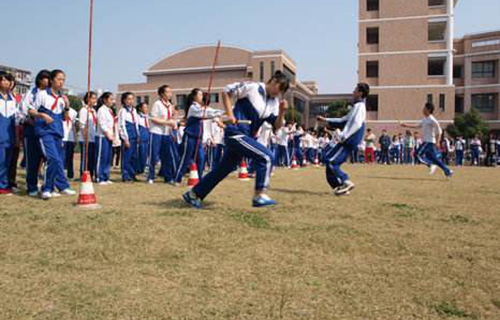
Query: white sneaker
x=46, y=195
x=103, y=183
x=55, y=194
x=433, y=169
x=109, y=182
x=345, y=189
x=151, y=182
x=33, y=194
x=68, y=192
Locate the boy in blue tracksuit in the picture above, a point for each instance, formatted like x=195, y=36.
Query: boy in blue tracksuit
x=48, y=111
x=129, y=133
x=8, y=116
x=162, y=144
x=33, y=151
x=192, y=141
x=257, y=103
x=143, y=150
x=427, y=153
x=350, y=137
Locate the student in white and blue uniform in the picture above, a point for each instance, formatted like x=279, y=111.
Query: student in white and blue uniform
x=87, y=128
x=351, y=136
x=143, y=146
x=428, y=153
x=129, y=132
x=104, y=138
x=8, y=118
x=162, y=146
x=459, y=151
x=218, y=143
x=192, y=149
x=69, y=139
x=48, y=111
x=282, y=137
x=257, y=103
x=33, y=151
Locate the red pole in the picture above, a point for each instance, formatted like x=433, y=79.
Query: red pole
x=88, y=85
x=209, y=90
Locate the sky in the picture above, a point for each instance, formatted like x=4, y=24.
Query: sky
x=131, y=35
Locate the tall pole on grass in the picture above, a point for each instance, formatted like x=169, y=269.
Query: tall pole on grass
x=89, y=73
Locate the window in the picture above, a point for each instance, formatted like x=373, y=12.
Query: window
x=436, y=66
x=262, y=71
x=214, y=98
x=486, y=43
x=372, y=5
x=484, y=102
x=430, y=98
x=372, y=69
x=483, y=69
x=442, y=102
x=181, y=100
x=437, y=31
x=458, y=72
x=146, y=99
x=138, y=100
x=435, y=3
x=273, y=67
x=459, y=104
x=372, y=103
x=372, y=35
x=289, y=73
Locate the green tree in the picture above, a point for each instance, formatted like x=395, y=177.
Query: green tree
x=291, y=116
x=337, y=109
x=75, y=102
x=468, y=125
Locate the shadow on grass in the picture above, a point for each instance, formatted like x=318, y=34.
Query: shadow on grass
x=403, y=178
x=178, y=204
x=301, y=192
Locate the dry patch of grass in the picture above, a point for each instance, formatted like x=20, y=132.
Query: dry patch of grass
x=404, y=245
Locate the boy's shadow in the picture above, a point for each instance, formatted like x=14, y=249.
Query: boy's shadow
x=301, y=192
x=402, y=178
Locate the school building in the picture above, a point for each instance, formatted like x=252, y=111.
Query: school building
x=23, y=79
x=192, y=67
x=408, y=55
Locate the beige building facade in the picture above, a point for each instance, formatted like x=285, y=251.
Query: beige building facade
x=408, y=55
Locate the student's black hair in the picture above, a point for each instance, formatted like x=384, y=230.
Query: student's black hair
x=430, y=107
x=138, y=108
x=364, y=88
x=54, y=73
x=12, y=80
x=125, y=96
x=102, y=98
x=190, y=100
x=282, y=79
x=162, y=89
x=4, y=75
x=42, y=75
x=369, y=130
x=88, y=95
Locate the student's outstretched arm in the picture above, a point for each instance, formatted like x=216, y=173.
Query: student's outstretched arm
x=278, y=123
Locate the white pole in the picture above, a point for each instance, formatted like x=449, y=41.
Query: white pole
x=449, y=40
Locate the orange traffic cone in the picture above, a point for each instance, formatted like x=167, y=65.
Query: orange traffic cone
x=243, y=175
x=193, y=175
x=295, y=166
x=87, y=198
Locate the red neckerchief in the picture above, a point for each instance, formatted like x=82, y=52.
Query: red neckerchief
x=55, y=102
x=168, y=109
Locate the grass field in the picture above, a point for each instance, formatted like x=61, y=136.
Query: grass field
x=404, y=245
